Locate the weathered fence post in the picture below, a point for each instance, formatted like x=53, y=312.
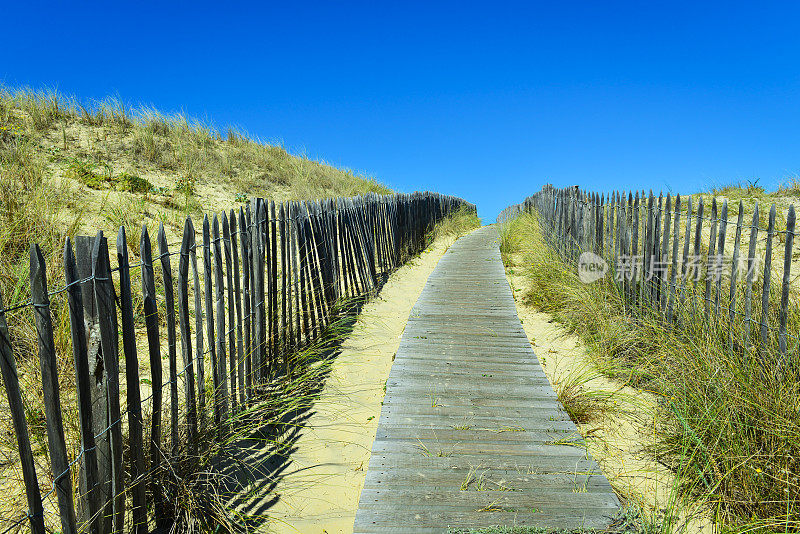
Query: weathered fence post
x=107, y=321
x=8, y=367
x=169, y=299
x=748, y=298
x=186, y=337
x=156, y=372
x=91, y=504
x=787, y=267
x=767, y=279
x=134, y=398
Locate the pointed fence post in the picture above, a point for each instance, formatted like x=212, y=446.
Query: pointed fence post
x=186, y=337
x=200, y=381
x=787, y=267
x=734, y=276
x=765, y=337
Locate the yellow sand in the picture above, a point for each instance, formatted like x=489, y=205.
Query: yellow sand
x=320, y=493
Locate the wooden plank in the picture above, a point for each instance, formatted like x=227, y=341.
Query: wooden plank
x=697, y=236
x=720, y=260
x=673, y=275
x=647, y=251
x=200, y=379
x=209, y=311
x=311, y=272
x=273, y=304
x=663, y=272
x=244, y=229
x=84, y=248
x=221, y=392
x=295, y=285
x=226, y=241
x=8, y=367
x=751, y=264
x=269, y=285
x=711, y=261
x=734, y=276
x=237, y=294
x=260, y=302
x=133, y=394
x=57, y=449
x=285, y=295
x=302, y=287
x=783, y=312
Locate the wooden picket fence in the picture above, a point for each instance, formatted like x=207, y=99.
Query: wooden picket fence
x=682, y=272
x=271, y=278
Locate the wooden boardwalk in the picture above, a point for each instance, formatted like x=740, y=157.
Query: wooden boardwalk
x=471, y=433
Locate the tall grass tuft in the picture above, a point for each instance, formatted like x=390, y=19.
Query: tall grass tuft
x=455, y=225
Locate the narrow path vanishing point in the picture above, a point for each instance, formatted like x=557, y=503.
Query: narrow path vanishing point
x=471, y=433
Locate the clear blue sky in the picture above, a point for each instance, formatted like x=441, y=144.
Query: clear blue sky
x=485, y=101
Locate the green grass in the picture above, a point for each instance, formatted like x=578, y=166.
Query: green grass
x=728, y=425
x=790, y=187
x=132, y=183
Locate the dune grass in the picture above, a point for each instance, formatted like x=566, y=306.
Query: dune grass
x=112, y=135
x=728, y=425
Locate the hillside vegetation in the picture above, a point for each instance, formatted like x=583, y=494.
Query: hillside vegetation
x=69, y=168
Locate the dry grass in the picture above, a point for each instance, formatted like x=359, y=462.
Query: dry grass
x=729, y=424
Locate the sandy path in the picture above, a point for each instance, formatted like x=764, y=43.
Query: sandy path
x=320, y=494
x=617, y=440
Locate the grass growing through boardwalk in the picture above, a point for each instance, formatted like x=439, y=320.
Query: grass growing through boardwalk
x=728, y=427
